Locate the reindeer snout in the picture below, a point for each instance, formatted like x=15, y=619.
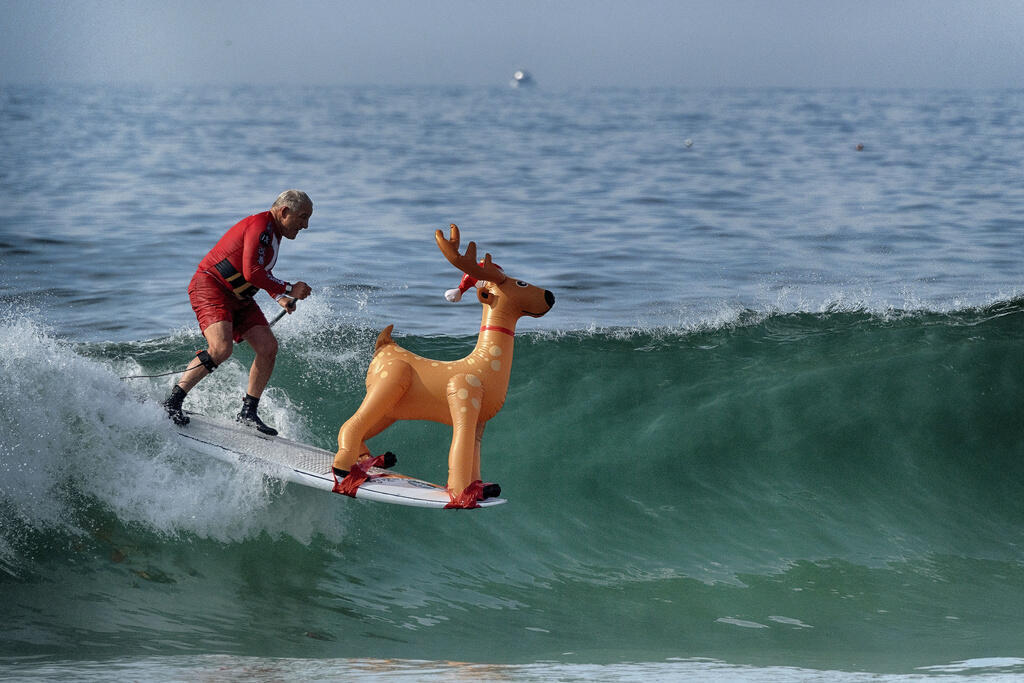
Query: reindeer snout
x=549, y=301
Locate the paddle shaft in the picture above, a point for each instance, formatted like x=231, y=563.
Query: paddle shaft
x=278, y=317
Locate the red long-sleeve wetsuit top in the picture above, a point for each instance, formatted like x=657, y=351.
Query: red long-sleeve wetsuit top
x=250, y=249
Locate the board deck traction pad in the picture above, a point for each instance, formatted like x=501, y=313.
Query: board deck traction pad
x=306, y=465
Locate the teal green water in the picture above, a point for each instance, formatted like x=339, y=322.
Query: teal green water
x=769, y=431
x=830, y=491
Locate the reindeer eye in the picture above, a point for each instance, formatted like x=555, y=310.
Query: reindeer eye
x=520, y=283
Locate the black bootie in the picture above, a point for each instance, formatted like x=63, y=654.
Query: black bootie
x=248, y=417
x=172, y=404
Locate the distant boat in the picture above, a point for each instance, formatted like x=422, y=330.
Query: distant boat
x=521, y=78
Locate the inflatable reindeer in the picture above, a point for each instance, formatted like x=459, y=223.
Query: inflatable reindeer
x=462, y=393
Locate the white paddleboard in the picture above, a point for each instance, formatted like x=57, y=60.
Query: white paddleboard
x=307, y=465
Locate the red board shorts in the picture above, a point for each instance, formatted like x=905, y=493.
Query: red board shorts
x=212, y=303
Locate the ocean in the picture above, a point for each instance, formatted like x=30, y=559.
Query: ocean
x=770, y=430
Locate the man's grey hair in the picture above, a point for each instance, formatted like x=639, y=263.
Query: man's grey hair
x=296, y=200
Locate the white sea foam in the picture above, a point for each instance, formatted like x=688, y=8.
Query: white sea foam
x=74, y=433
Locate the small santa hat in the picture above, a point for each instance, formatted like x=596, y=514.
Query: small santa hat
x=465, y=283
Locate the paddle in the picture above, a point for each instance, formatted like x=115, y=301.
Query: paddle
x=288, y=309
x=279, y=316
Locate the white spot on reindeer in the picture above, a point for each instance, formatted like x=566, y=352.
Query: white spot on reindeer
x=496, y=365
x=495, y=351
x=473, y=380
x=463, y=394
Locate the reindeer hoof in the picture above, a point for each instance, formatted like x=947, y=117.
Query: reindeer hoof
x=491, y=491
x=390, y=460
x=340, y=473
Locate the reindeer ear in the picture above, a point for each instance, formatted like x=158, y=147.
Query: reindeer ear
x=485, y=296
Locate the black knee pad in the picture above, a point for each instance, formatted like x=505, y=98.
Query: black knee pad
x=206, y=360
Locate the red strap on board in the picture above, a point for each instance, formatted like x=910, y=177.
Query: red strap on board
x=468, y=498
x=356, y=476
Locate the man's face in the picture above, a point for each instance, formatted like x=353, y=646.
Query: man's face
x=293, y=221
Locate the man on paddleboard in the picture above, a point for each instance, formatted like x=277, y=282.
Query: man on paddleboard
x=222, y=292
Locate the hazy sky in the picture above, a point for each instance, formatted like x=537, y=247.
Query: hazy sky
x=872, y=43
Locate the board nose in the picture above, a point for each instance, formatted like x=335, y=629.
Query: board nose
x=549, y=297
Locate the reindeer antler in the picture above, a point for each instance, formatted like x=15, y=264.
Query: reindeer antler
x=467, y=262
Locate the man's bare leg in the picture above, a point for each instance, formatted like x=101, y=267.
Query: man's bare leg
x=264, y=343
x=219, y=337
x=221, y=343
